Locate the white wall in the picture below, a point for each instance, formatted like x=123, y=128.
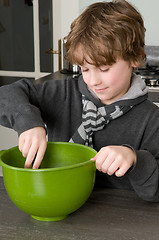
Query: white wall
x=149, y=11
x=8, y=139
x=69, y=11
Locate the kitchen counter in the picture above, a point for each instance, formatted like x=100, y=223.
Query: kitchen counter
x=56, y=76
x=108, y=214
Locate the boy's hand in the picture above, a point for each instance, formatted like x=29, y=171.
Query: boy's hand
x=115, y=159
x=32, y=144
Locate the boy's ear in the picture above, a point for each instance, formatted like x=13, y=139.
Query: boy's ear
x=135, y=64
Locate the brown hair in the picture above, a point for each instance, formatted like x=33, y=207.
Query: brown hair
x=106, y=31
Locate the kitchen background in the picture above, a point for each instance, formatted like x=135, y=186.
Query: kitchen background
x=30, y=28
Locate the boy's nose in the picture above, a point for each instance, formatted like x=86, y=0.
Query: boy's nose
x=94, y=79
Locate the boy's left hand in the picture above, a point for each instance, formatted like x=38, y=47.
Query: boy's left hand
x=115, y=159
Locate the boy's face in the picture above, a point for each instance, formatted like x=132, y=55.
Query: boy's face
x=109, y=83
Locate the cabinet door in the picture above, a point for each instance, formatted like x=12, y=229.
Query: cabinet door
x=26, y=33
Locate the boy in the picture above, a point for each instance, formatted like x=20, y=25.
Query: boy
x=106, y=107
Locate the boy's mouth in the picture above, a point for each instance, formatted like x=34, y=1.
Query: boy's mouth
x=100, y=90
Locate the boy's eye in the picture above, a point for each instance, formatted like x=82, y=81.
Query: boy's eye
x=104, y=69
x=84, y=69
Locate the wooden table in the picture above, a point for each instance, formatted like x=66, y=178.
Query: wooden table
x=109, y=214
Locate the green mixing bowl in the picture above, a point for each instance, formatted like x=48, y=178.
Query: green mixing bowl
x=63, y=183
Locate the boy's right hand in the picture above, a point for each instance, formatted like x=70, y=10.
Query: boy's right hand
x=32, y=144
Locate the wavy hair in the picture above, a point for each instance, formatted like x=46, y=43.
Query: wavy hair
x=105, y=32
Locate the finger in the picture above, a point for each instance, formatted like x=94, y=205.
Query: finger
x=26, y=148
x=21, y=144
x=114, y=166
x=100, y=158
x=107, y=163
x=39, y=156
x=31, y=156
x=121, y=171
x=99, y=162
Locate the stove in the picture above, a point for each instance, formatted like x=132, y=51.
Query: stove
x=150, y=74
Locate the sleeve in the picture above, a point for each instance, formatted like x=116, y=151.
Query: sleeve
x=144, y=176
x=20, y=105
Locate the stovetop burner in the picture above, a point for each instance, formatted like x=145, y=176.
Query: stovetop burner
x=150, y=74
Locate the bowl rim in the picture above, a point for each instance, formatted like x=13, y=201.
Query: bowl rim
x=48, y=169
